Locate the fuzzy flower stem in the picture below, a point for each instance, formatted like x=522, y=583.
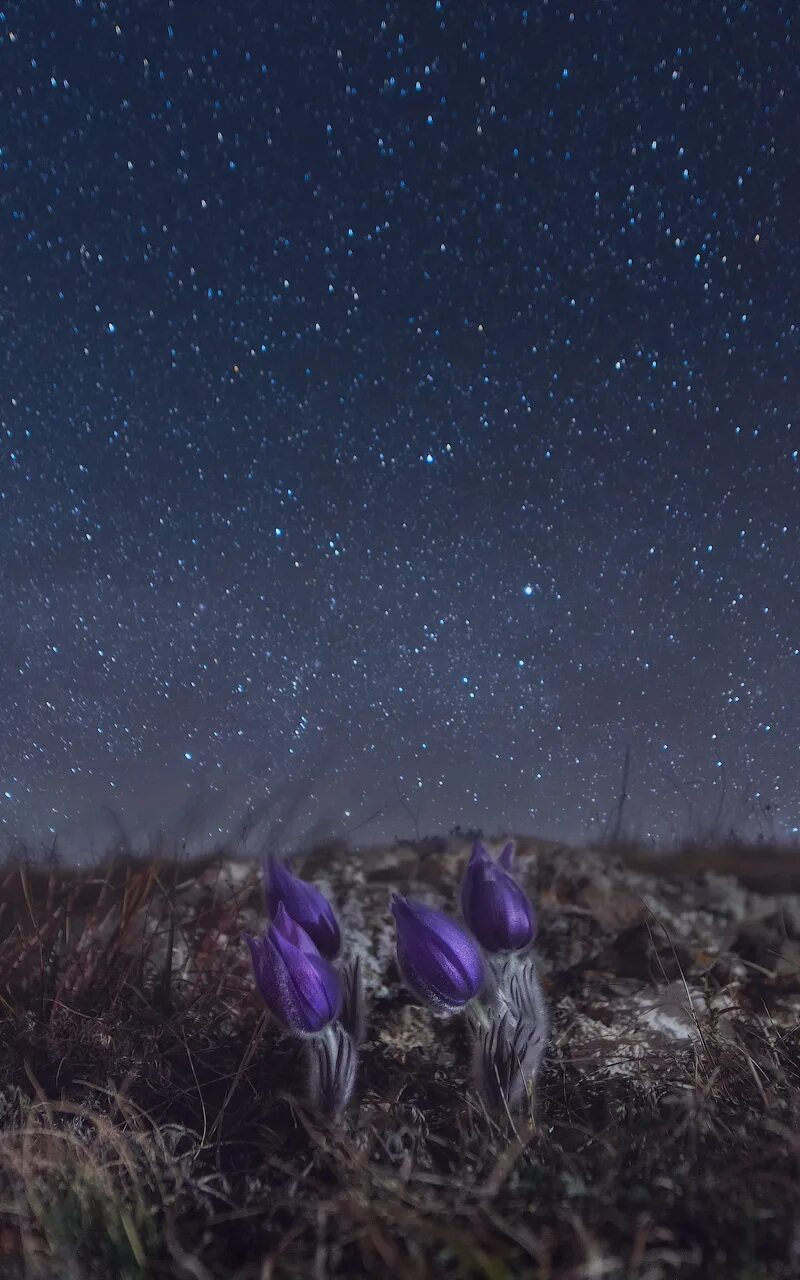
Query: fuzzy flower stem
x=478, y=1015
x=510, y=1037
x=332, y=1058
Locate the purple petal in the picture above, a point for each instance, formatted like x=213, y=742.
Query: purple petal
x=293, y=932
x=495, y=907
x=299, y=986
x=437, y=957
x=305, y=904
x=311, y=982
x=256, y=946
x=506, y=858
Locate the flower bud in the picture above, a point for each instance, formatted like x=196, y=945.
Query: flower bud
x=297, y=984
x=437, y=958
x=305, y=904
x=495, y=907
x=506, y=857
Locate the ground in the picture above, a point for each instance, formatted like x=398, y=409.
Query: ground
x=151, y=1115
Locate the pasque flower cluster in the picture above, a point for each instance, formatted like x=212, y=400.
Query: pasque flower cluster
x=312, y=998
x=485, y=971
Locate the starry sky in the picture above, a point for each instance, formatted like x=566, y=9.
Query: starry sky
x=398, y=417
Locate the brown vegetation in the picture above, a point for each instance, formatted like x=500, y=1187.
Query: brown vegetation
x=148, y=1124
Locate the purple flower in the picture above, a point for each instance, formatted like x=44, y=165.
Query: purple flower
x=305, y=904
x=437, y=958
x=297, y=984
x=495, y=907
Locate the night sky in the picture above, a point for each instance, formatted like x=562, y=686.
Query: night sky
x=398, y=401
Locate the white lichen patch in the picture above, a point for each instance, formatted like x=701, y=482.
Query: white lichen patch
x=673, y=1013
x=409, y=1028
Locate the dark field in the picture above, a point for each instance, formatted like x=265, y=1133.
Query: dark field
x=150, y=1127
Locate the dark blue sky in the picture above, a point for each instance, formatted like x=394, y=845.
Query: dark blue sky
x=399, y=399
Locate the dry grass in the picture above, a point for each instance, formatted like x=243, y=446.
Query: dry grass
x=146, y=1127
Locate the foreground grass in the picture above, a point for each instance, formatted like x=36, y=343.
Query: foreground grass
x=148, y=1127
